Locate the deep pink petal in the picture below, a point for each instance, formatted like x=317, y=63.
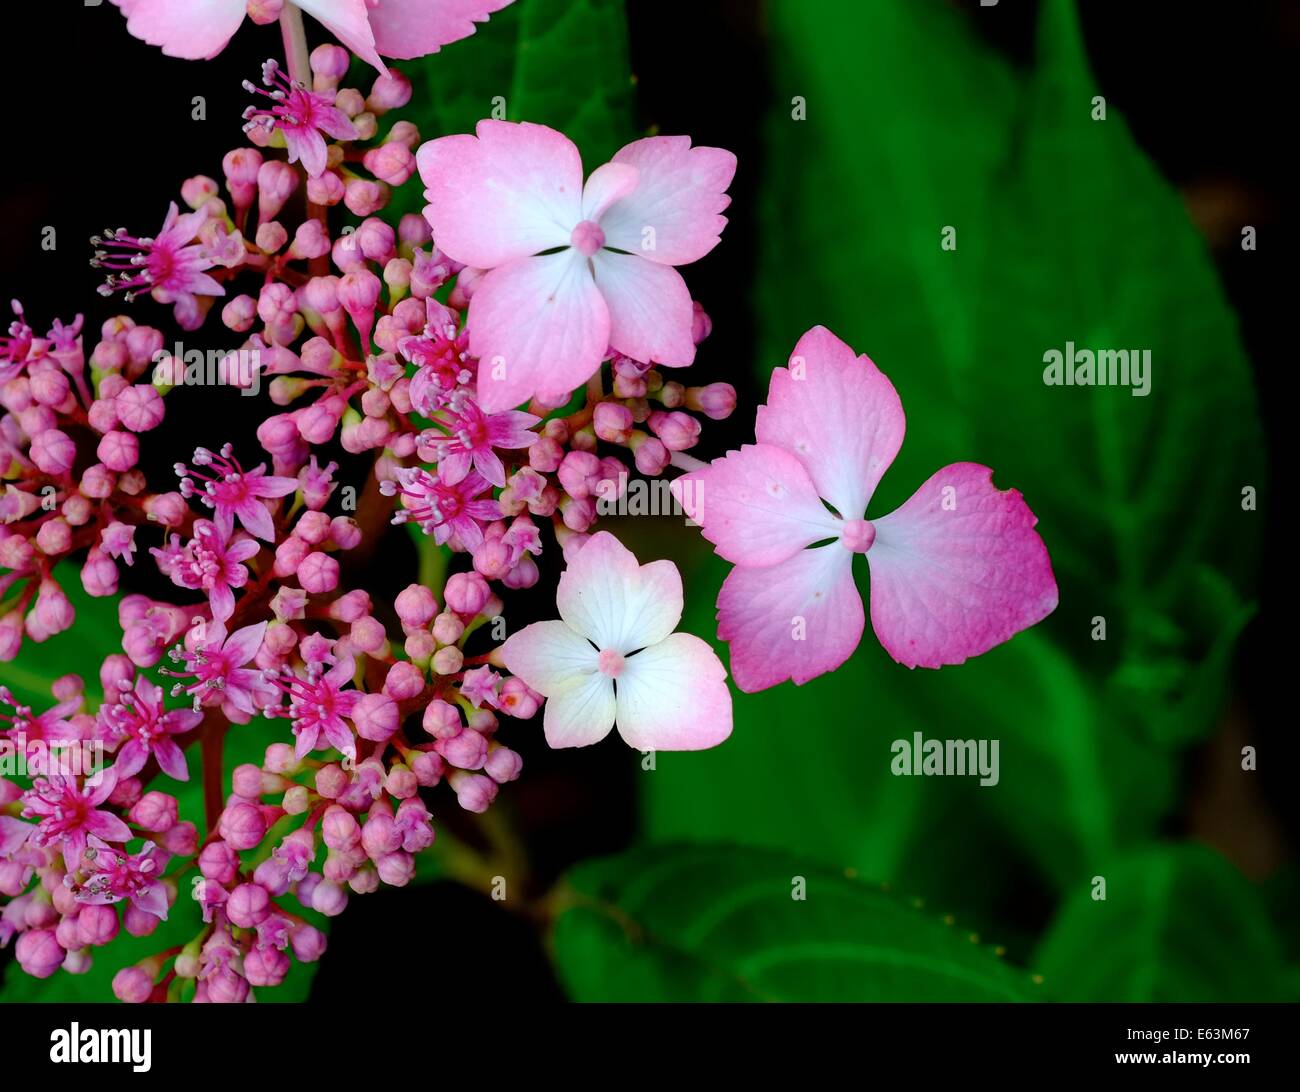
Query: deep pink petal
x=13, y=834
x=539, y=326
x=839, y=414
x=413, y=28
x=271, y=485
x=171, y=759
x=108, y=826
x=101, y=787
x=756, y=505
x=222, y=600
x=957, y=569
x=796, y=620
x=194, y=30
x=514, y=189
x=680, y=194
x=131, y=758
x=650, y=310
x=256, y=519
x=673, y=696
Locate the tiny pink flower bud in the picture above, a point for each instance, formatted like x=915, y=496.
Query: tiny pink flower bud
x=132, y=985
x=168, y=509
x=98, y=482
x=53, y=451
x=376, y=717
x=265, y=966
x=312, y=240
x=39, y=953
x=345, y=532
x=428, y=768
x=119, y=451
x=276, y=181
x=447, y=628
x=403, y=681
x=678, y=431
x=54, y=537
x=329, y=63
x=318, y=573
x=242, y=825
x=415, y=606
x=613, y=422
x=474, y=792
x=441, y=719
x=503, y=764
x=402, y=783
x=241, y=170
x=155, y=811
x=396, y=869
x=365, y=198
x=308, y=943
x=465, y=750
x=271, y=236
x=329, y=899
x=332, y=781
x=97, y=925
x=248, y=905
x=367, y=635
x=239, y=314
x=716, y=401
x=199, y=190
x=466, y=593
x=392, y=162
x=447, y=661
x=578, y=473
x=139, y=408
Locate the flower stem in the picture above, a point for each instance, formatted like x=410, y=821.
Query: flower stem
x=295, y=44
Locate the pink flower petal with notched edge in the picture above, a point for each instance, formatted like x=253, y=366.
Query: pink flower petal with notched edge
x=673, y=696
x=843, y=419
x=512, y=190
x=348, y=21
x=413, y=28
x=650, y=309
x=580, y=714
x=756, y=505
x=539, y=326
x=957, y=569
x=679, y=195
x=194, y=30
x=548, y=656
x=607, y=597
x=796, y=620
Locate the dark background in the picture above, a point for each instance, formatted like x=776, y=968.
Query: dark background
x=103, y=135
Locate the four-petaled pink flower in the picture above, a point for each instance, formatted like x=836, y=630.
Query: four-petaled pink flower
x=138, y=721
x=118, y=540
x=218, y=671
x=169, y=267
x=301, y=115
x=441, y=508
x=318, y=705
x=200, y=29
x=574, y=271
x=211, y=562
x=615, y=658
x=230, y=491
x=115, y=875
x=955, y=571
x=68, y=813
x=473, y=435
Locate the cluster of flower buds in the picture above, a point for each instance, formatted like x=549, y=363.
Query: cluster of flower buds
x=365, y=339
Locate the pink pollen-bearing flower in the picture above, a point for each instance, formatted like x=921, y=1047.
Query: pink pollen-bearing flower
x=68, y=813
x=301, y=115
x=441, y=508
x=404, y=29
x=572, y=272
x=169, y=267
x=114, y=876
x=955, y=571
x=318, y=705
x=472, y=436
x=138, y=721
x=615, y=658
x=211, y=562
x=118, y=540
x=218, y=669
x=230, y=490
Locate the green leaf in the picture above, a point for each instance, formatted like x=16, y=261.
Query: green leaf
x=720, y=923
x=516, y=64
x=1065, y=232
x=1178, y=923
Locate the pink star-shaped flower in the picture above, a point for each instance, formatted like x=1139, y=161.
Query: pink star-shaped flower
x=68, y=813
x=143, y=728
x=115, y=875
x=212, y=562
x=230, y=490
x=442, y=509
x=614, y=658
x=573, y=271
x=955, y=571
x=469, y=437
x=301, y=115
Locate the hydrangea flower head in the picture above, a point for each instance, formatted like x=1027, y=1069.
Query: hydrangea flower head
x=573, y=271
x=613, y=658
x=955, y=571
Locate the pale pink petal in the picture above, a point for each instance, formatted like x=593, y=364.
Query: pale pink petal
x=839, y=414
x=101, y=787
x=581, y=714
x=308, y=146
x=222, y=600
x=796, y=620
x=539, y=326
x=348, y=21
x=13, y=834
x=242, y=645
x=616, y=603
x=673, y=696
x=152, y=900
x=271, y=485
x=549, y=656
x=131, y=758
x=106, y=825
x=607, y=184
x=756, y=505
x=957, y=569
x=413, y=28
x=650, y=309
x=514, y=189
x=256, y=519
x=195, y=30
x=673, y=215
x=242, y=550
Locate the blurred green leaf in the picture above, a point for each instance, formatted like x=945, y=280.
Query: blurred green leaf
x=721, y=923
x=516, y=62
x=1065, y=232
x=1178, y=924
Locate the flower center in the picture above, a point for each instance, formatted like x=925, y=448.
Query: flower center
x=858, y=535
x=611, y=663
x=587, y=238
